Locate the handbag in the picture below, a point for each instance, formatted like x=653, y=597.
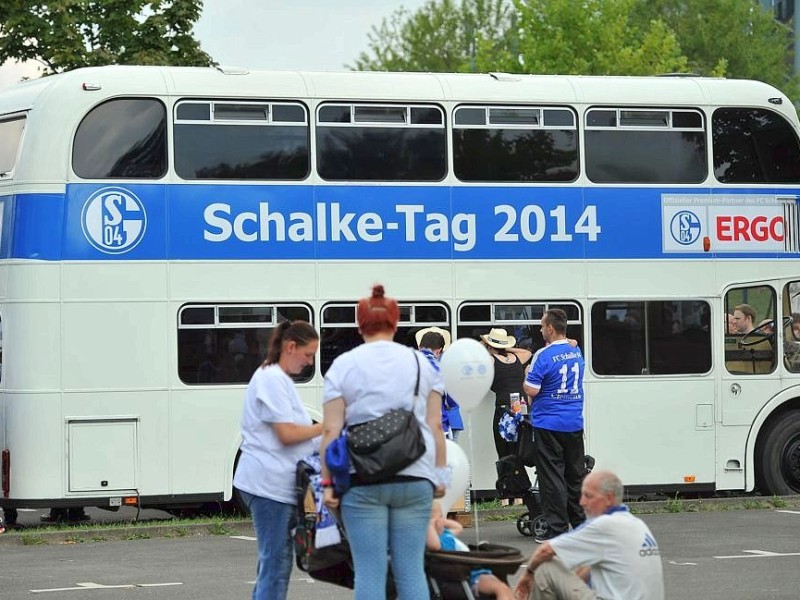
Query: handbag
x=382, y=447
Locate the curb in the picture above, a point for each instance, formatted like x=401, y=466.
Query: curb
x=134, y=531
x=175, y=529
x=675, y=505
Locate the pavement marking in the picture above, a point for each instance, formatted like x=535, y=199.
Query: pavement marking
x=246, y=538
x=789, y=512
x=672, y=562
x=99, y=586
x=760, y=554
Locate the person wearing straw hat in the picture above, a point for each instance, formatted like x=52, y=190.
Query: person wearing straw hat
x=509, y=375
x=432, y=342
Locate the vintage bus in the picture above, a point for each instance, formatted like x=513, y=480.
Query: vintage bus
x=158, y=222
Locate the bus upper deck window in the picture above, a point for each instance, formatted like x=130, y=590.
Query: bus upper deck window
x=252, y=140
x=381, y=142
x=515, y=144
x=10, y=138
x=632, y=145
x=754, y=145
x=123, y=138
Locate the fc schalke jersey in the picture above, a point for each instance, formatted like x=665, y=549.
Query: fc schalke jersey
x=558, y=375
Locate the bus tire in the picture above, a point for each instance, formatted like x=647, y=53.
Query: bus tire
x=779, y=457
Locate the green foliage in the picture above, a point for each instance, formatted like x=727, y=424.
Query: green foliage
x=728, y=38
x=718, y=38
x=778, y=502
x=442, y=36
x=593, y=37
x=67, y=34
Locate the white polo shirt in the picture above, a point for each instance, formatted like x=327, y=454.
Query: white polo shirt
x=266, y=467
x=622, y=553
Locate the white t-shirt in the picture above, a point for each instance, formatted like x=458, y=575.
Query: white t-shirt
x=622, y=553
x=266, y=467
x=377, y=377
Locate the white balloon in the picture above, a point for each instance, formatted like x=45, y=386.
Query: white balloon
x=457, y=461
x=468, y=371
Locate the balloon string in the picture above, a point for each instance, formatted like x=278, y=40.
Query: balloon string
x=472, y=498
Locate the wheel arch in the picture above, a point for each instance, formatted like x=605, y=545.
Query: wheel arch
x=771, y=413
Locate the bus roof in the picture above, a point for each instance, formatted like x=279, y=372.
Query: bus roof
x=384, y=86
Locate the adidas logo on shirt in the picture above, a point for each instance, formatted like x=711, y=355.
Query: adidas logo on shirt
x=649, y=547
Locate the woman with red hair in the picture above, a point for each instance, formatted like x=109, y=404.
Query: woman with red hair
x=387, y=520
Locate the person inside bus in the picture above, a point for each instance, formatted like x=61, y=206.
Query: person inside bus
x=614, y=555
x=277, y=432
x=744, y=318
x=432, y=342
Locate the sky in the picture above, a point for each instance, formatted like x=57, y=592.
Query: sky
x=323, y=35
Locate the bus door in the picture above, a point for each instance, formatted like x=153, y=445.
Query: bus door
x=749, y=372
x=650, y=397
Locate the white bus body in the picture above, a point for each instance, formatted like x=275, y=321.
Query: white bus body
x=149, y=243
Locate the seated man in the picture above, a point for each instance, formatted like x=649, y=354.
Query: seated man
x=744, y=318
x=613, y=550
x=442, y=534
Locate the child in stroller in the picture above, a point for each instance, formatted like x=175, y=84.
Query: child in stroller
x=448, y=572
x=442, y=536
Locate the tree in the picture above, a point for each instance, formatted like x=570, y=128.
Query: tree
x=442, y=36
x=590, y=37
x=66, y=34
x=731, y=38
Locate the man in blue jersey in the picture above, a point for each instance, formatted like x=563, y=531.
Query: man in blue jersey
x=555, y=385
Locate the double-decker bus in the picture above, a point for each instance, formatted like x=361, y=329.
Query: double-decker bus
x=157, y=223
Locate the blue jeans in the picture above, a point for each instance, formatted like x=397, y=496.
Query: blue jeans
x=388, y=521
x=273, y=522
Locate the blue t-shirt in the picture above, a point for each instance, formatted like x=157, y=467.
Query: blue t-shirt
x=558, y=375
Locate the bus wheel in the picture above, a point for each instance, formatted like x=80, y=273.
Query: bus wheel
x=780, y=457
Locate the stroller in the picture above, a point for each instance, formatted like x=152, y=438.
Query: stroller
x=513, y=481
x=447, y=572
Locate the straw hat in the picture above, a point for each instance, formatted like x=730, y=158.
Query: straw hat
x=444, y=333
x=499, y=338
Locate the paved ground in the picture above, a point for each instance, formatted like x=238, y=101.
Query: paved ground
x=731, y=555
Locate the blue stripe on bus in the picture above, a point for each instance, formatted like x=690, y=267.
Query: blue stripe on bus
x=184, y=222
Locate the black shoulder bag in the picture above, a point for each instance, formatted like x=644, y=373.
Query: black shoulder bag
x=382, y=447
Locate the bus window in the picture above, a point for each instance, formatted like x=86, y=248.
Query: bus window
x=791, y=326
x=227, y=343
x=381, y=143
x=632, y=337
x=750, y=330
x=339, y=328
x=497, y=143
x=241, y=140
x=124, y=138
x=10, y=138
x=521, y=320
x=754, y=145
x=645, y=146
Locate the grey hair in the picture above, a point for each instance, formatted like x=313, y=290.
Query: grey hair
x=608, y=483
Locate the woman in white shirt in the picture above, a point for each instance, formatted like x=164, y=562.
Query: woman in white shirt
x=387, y=520
x=276, y=433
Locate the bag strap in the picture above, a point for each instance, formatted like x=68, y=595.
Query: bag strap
x=416, y=387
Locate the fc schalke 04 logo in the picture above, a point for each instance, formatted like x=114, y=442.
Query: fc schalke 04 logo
x=685, y=227
x=113, y=220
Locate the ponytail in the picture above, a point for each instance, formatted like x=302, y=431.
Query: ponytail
x=299, y=332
